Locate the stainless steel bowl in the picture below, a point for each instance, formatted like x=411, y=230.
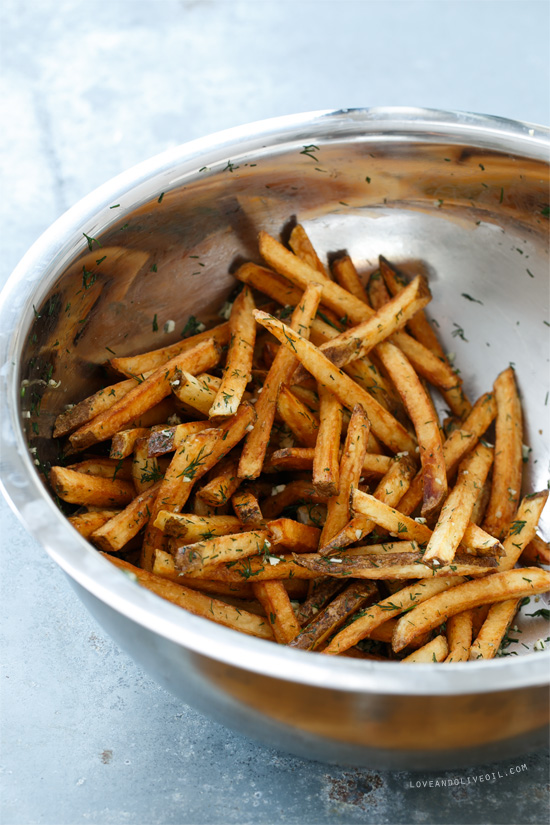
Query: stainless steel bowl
x=463, y=196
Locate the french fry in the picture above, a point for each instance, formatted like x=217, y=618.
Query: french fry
x=254, y=568
x=390, y=491
x=82, y=488
x=195, y=528
x=333, y=616
x=239, y=357
x=368, y=621
x=326, y=458
x=455, y=447
x=219, y=489
x=144, y=395
x=167, y=439
x=522, y=529
x=104, y=467
x=347, y=276
x=536, y=552
x=83, y=412
x=301, y=458
x=297, y=417
x=271, y=284
x=507, y=473
x=456, y=511
x=459, y=636
x=148, y=361
x=286, y=495
x=86, y=523
x=434, y=651
x=392, y=566
x=423, y=416
x=123, y=442
x=351, y=467
x=499, y=619
x=193, y=392
x=145, y=469
x=247, y=509
x=322, y=591
x=122, y=527
x=498, y=587
x=219, y=550
x=283, y=366
x=384, y=425
x=302, y=247
x=278, y=610
x=197, y=603
x=286, y=535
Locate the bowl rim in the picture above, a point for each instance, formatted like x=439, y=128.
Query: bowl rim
x=32, y=504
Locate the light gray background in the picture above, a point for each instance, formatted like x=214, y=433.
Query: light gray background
x=88, y=89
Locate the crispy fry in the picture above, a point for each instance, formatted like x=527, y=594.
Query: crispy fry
x=195, y=528
x=347, y=276
x=247, y=509
x=384, y=425
x=322, y=591
x=303, y=424
x=495, y=588
x=201, y=555
x=286, y=534
x=326, y=458
x=459, y=636
x=239, y=357
x=278, y=610
x=422, y=414
x=123, y=442
x=271, y=284
x=104, y=467
x=148, y=361
x=117, y=532
x=145, y=470
x=82, y=488
x=302, y=247
x=455, y=513
x=536, y=552
x=351, y=467
x=507, y=473
x=301, y=458
x=522, y=529
x=254, y=568
x=283, y=366
x=194, y=393
x=167, y=439
x=86, y=523
x=83, y=412
x=434, y=651
x=219, y=489
x=144, y=395
x=333, y=616
x=197, y=603
x=285, y=495
x=392, y=566
x=368, y=621
x=499, y=619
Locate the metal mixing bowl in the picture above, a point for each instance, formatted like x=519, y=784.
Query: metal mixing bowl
x=464, y=197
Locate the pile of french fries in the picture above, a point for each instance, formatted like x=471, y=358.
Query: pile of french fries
x=286, y=474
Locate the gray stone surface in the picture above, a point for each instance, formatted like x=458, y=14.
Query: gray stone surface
x=88, y=89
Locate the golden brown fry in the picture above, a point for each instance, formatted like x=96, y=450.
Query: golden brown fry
x=219, y=489
x=283, y=366
x=322, y=591
x=498, y=587
x=302, y=423
x=459, y=636
x=422, y=414
x=286, y=534
x=117, y=532
x=167, y=439
x=195, y=528
x=326, y=458
x=522, y=529
x=434, y=651
x=83, y=412
x=194, y=393
x=301, y=458
x=271, y=284
x=123, y=442
x=104, y=467
x=148, y=361
x=455, y=513
x=384, y=425
x=254, y=568
x=285, y=495
x=333, y=616
x=145, y=469
x=239, y=357
x=392, y=566
x=379, y=614
x=82, y=488
x=536, y=552
x=247, y=509
x=86, y=523
x=144, y=396
x=302, y=247
x=197, y=603
x=507, y=473
x=351, y=467
x=202, y=555
x=347, y=276
x=278, y=610
x=489, y=638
